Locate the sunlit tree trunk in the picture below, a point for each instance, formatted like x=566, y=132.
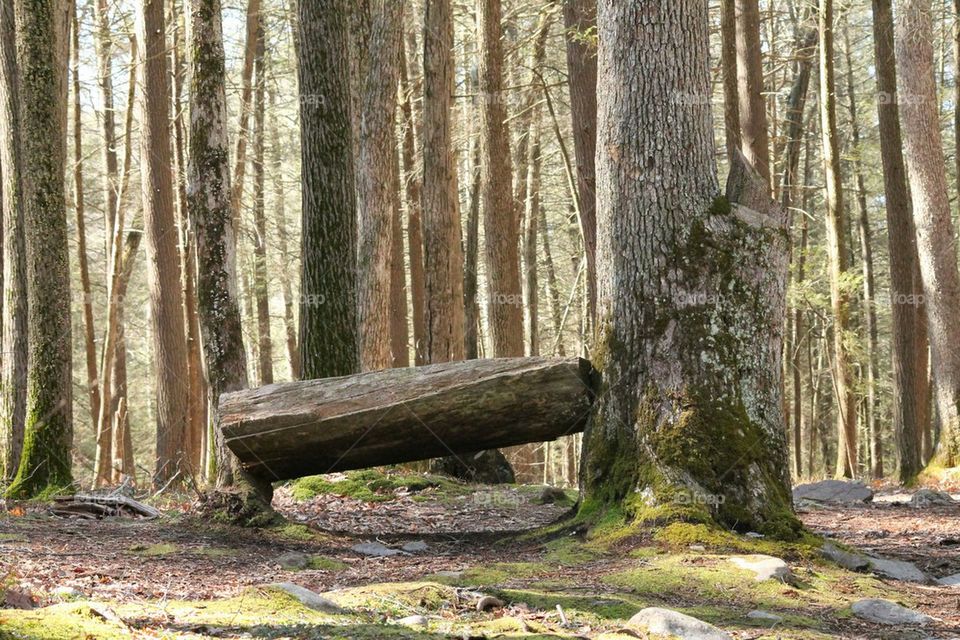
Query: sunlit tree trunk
x=755, y=142
x=260, y=277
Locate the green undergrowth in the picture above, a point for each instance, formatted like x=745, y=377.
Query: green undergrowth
x=372, y=485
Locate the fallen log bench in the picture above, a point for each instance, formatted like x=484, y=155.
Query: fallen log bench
x=295, y=429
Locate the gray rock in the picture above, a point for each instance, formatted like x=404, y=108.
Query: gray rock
x=887, y=612
x=846, y=559
x=306, y=597
x=456, y=575
x=67, y=592
x=898, y=570
x=931, y=498
x=698, y=548
x=293, y=561
x=833, y=492
x=374, y=549
x=675, y=625
x=415, y=547
x=753, y=534
x=414, y=621
x=765, y=616
x=764, y=567
x=950, y=581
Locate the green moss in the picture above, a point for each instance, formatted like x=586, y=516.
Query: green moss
x=322, y=563
x=371, y=485
x=569, y=552
x=66, y=621
x=217, y=552
x=397, y=599
x=296, y=532
x=160, y=549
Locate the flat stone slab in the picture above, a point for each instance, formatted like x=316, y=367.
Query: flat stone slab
x=293, y=561
x=898, y=570
x=374, y=550
x=764, y=567
x=674, y=624
x=415, y=547
x=833, y=492
x=846, y=559
x=765, y=616
x=307, y=598
x=887, y=612
x=950, y=581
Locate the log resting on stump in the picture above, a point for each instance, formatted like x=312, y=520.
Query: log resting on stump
x=295, y=429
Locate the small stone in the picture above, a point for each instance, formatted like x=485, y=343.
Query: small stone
x=898, y=570
x=489, y=602
x=764, y=567
x=766, y=616
x=307, y=598
x=551, y=495
x=887, y=612
x=698, y=547
x=293, y=561
x=833, y=492
x=753, y=534
x=374, y=549
x=846, y=559
x=67, y=592
x=670, y=623
x=950, y=581
x=414, y=621
x=931, y=498
x=415, y=547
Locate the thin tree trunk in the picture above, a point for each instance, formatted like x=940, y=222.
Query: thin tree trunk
x=553, y=292
x=866, y=259
x=728, y=64
x=936, y=242
x=580, y=18
x=13, y=364
x=837, y=250
x=471, y=323
x=531, y=219
x=755, y=142
x=399, y=326
x=260, y=284
x=252, y=27
x=412, y=181
x=280, y=213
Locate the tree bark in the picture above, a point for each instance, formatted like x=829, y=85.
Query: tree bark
x=755, y=142
x=443, y=256
x=936, y=245
x=329, y=341
x=837, y=250
x=321, y=426
x=376, y=178
x=728, y=64
x=45, y=463
x=261, y=285
x=683, y=412
x=13, y=365
x=163, y=258
x=252, y=27
x=500, y=220
x=580, y=19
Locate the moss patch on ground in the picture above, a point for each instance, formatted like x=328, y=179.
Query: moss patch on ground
x=372, y=485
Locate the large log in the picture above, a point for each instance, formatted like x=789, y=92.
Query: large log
x=295, y=429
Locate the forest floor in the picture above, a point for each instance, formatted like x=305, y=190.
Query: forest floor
x=181, y=576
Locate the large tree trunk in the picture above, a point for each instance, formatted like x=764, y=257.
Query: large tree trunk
x=838, y=251
x=45, y=462
x=936, y=244
x=401, y=415
x=443, y=255
x=376, y=178
x=579, y=17
x=211, y=216
x=329, y=341
x=163, y=258
x=13, y=364
x=500, y=221
x=691, y=403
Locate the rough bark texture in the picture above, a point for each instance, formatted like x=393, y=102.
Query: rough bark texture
x=500, y=220
x=401, y=415
x=208, y=196
x=579, y=17
x=376, y=180
x=728, y=63
x=443, y=255
x=45, y=462
x=692, y=292
x=923, y=149
x=163, y=258
x=252, y=27
x=754, y=142
x=329, y=341
x=908, y=317
x=13, y=368
x=838, y=251
x=261, y=286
